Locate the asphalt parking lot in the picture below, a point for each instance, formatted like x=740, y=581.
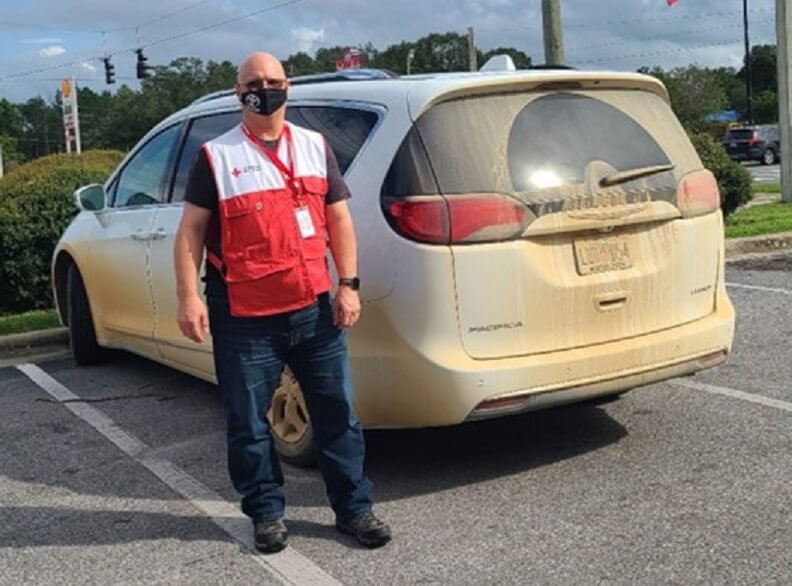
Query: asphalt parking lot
x=116, y=475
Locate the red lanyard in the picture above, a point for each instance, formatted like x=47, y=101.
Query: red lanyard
x=286, y=172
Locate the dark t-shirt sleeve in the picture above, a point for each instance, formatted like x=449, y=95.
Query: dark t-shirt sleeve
x=337, y=189
x=201, y=188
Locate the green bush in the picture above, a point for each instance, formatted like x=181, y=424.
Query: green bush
x=36, y=205
x=734, y=181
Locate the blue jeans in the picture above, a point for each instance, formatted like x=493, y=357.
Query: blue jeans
x=250, y=355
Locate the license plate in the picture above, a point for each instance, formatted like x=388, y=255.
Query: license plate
x=733, y=145
x=602, y=255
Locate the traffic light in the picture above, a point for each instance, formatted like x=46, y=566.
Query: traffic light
x=109, y=71
x=142, y=68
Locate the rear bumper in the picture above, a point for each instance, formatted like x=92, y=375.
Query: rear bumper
x=414, y=390
x=746, y=155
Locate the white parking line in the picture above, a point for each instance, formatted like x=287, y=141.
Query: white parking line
x=734, y=394
x=760, y=288
x=289, y=567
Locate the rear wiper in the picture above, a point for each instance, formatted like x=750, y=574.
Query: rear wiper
x=625, y=176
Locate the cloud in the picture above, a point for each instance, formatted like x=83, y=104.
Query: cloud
x=305, y=37
x=607, y=34
x=52, y=51
x=87, y=66
x=42, y=41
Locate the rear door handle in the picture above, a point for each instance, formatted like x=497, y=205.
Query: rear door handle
x=159, y=234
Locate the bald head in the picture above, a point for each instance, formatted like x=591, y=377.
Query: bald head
x=260, y=66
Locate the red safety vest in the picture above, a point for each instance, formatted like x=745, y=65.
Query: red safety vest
x=270, y=264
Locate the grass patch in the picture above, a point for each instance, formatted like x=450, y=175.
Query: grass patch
x=28, y=322
x=765, y=188
x=761, y=219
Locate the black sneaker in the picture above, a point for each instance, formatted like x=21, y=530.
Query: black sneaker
x=271, y=536
x=367, y=529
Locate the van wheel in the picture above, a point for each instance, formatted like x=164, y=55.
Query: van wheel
x=82, y=335
x=291, y=424
x=768, y=157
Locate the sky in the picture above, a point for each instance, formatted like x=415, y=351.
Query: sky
x=42, y=41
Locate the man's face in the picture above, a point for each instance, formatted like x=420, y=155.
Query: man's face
x=261, y=73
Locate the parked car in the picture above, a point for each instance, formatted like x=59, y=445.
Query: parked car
x=527, y=239
x=753, y=143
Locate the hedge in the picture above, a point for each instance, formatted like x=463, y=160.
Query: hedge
x=734, y=181
x=36, y=205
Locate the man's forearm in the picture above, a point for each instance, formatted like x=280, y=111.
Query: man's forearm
x=188, y=254
x=343, y=246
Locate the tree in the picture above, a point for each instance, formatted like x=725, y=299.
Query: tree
x=441, y=52
x=220, y=76
x=10, y=119
x=42, y=128
x=326, y=58
x=764, y=72
x=300, y=64
x=94, y=108
x=394, y=58
x=695, y=92
x=10, y=133
x=765, y=107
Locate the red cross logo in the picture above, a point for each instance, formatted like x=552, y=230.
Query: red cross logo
x=236, y=172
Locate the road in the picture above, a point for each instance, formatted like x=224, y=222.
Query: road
x=123, y=481
x=764, y=173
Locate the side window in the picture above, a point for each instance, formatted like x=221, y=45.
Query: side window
x=346, y=129
x=141, y=181
x=201, y=130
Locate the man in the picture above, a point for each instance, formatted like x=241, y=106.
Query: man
x=264, y=199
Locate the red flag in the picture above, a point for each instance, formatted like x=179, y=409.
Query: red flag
x=672, y=2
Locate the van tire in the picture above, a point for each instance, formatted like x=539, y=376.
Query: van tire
x=85, y=349
x=769, y=157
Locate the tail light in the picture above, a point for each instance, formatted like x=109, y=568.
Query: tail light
x=753, y=140
x=698, y=194
x=458, y=219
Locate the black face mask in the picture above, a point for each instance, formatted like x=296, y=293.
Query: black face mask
x=265, y=101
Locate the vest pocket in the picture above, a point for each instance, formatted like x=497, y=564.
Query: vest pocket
x=258, y=231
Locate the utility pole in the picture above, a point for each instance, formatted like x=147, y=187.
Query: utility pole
x=553, y=37
x=783, y=32
x=748, y=76
x=473, y=58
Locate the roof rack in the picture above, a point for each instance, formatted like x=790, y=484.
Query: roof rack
x=546, y=66
x=342, y=75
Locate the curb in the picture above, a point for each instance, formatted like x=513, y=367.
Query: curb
x=53, y=337
x=756, y=244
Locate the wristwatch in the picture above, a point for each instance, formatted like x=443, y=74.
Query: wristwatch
x=353, y=283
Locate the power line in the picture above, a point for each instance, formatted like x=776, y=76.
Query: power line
x=666, y=18
x=155, y=42
x=661, y=52
x=216, y=25
x=665, y=37
x=157, y=19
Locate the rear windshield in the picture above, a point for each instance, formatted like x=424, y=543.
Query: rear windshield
x=539, y=147
x=742, y=134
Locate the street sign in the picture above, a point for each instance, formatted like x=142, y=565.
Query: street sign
x=71, y=117
x=351, y=59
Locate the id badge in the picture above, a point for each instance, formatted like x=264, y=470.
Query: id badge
x=305, y=222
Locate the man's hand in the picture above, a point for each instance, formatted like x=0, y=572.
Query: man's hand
x=193, y=318
x=346, y=308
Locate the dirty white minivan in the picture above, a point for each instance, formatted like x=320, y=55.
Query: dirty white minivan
x=527, y=239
